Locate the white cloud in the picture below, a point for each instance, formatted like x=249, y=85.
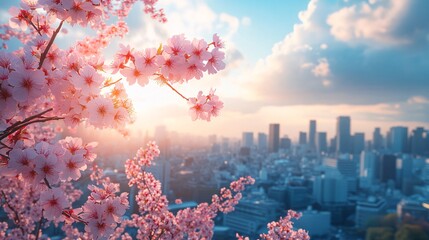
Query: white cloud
x=302, y=69
x=379, y=23
x=321, y=69
x=418, y=100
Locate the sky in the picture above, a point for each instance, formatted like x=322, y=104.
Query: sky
x=291, y=61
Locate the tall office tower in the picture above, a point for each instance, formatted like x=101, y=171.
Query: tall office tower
x=262, y=141
x=333, y=145
x=426, y=140
x=377, y=139
x=274, y=137
x=407, y=177
x=389, y=140
x=302, y=138
x=321, y=142
x=387, y=168
x=399, y=139
x=417, y=141
x=343, y=134
x=358, y=143
x=369, y=169
x=247, y=140
x=312, y=135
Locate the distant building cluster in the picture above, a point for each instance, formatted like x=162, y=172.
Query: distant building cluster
x=346, y=187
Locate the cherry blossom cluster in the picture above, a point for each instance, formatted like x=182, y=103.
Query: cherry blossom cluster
x=205, y=106
x=178, y=61
x=62, y=161
x=189, y=223
x=104, y=210
x=283, y=229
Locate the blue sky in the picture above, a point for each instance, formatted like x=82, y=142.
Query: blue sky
x=292, y=61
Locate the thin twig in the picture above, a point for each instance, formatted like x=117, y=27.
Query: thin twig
x=16, y=128
x=47, y=183
x=110, y=84
x=17, y=219
x=34, y=26
x=54, y=35
x=39, y=225
x=168, y=84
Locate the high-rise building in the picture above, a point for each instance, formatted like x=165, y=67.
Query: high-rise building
x=343, y=134
x=407, y=177
x=369, y=209
x=274, y=137
x=247, y=140
x=368, y=171
x=262, y=141
x=321, y=142
x=377, y=139
x=387, y=168
x=302, y=138
x=399, y=139
x=417, y=141
x=358, y=143
x=312, y=135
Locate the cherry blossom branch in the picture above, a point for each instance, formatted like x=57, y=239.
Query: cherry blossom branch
x=54, y=35
x=17, y=219
x=34, y=26
x=74, y=217
x=168, y=84
x=30, y=120
x=39, y=226
x=47, y=183
x=112, y=83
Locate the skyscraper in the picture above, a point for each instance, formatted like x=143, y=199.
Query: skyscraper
x=321, y=142
x=369, y=169
x=262, y=141
x=274, y=137
x=343, y=134
x=302, y=138
x=377, y=139
x=247, y=140
x=312, y=135
x=358, y=143
x=417, y=141
x=399, y=139
x=387, y=168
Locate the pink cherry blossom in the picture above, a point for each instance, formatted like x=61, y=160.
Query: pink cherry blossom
x=53, y=202
x=27, y=84
x=100, y=111
x=88, y=80
x=178, y=45
x=48, y=168
x=73, y=164
x=22, y=160
x=215, y=63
